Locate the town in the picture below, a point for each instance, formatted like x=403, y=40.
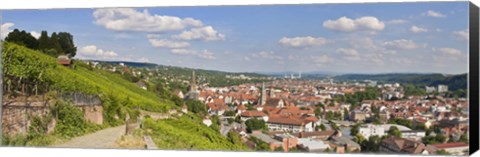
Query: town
x=310, y=116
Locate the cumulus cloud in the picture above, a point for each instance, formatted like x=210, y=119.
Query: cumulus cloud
x=432, y=13
x=345, y=24
x=267, y=55
x=416, y=29
x=202, y=33
x=448, y=51
x=349, y=54
x=168, y=43
x=303, y=42
x=462, y=34
x=5, y=29
x=127, y=19
x=205, y=54
x=36, y=35
x=401, y=44
x=92, y=52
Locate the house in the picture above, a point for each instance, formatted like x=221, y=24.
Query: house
x=275, y=102
x=358, y=116
x=290, y=123
x=64, y=60
x=273, y=143
x=288, y=141
x=396, y=145
x=455, y=148
x=253, y=114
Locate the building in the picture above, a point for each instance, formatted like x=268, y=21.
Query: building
x=312, y=145
x=288, y=141
x=372, y=130
x=442, y=88
x=193, y=93
x=416, y=135
x=456, y=148
x=396, y=145
x=290, y=123
x=429, y=89
x=358, y=116
x=263, y=96
x=273, y=143
x=348, y=144
x=246, y=115
x=64, y=60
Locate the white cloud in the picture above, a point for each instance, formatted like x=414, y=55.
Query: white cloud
x=396, y=21
x=462, y=34
x=267, y=55
x=432, y=13
x=307, y=41
x=401, y=44
x=448, y=51
x=127, y=19
x=5, y=29
x=349, y=54
x=201, y=54
x=92, y=52
x=36, y=35
x=416, y=29
x=203, y=33
x=168, y=43
x=345, y=24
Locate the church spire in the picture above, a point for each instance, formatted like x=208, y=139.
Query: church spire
x=193, y=84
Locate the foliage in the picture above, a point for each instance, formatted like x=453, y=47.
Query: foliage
x=370, y=93
x=187, y=132
x=196, y=106
x=442, y=152
x=70, y=120
x=22, y=38
x=260, y=145
x=255, y=124
x=394, y=131
x=434, y=139
x=399, y=121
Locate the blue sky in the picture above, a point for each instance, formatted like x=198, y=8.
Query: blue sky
x=346, y=38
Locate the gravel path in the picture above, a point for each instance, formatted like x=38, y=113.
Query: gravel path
x=101, y=139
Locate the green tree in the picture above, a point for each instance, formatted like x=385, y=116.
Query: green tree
x=66, y=43
x=354, y=130
x=442, y=152
x=43, y=41
x=22, y=38
x=255, y=124
x=394, y=131
x=55, y=44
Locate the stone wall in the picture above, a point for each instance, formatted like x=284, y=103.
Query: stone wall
x=17, y=114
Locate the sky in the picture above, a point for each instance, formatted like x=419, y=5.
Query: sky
x=419, y=37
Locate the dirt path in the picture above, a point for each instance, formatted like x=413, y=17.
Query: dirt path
x=101, y=139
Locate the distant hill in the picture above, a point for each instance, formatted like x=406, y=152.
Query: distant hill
x=454, y=82
x=128, y=63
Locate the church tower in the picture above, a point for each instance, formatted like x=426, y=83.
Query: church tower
x=263, y=96
x=193, y=84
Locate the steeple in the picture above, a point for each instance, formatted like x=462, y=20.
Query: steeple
x=263, y=96
x=193, y=84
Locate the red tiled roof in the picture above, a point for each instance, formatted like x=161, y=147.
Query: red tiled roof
x=253, y=114
x=450, y=145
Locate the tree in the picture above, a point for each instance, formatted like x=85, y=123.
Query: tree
x=229, y=113
x=354, y=130
x=255, y=124
x=22, y=38
x=394, y=131
x=359, y=138
x=43, y=41
x=320, y=127
x=66, y=43
x=55, y=44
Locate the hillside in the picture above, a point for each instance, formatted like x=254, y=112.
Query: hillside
x=454, y=82
x=33, y=72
